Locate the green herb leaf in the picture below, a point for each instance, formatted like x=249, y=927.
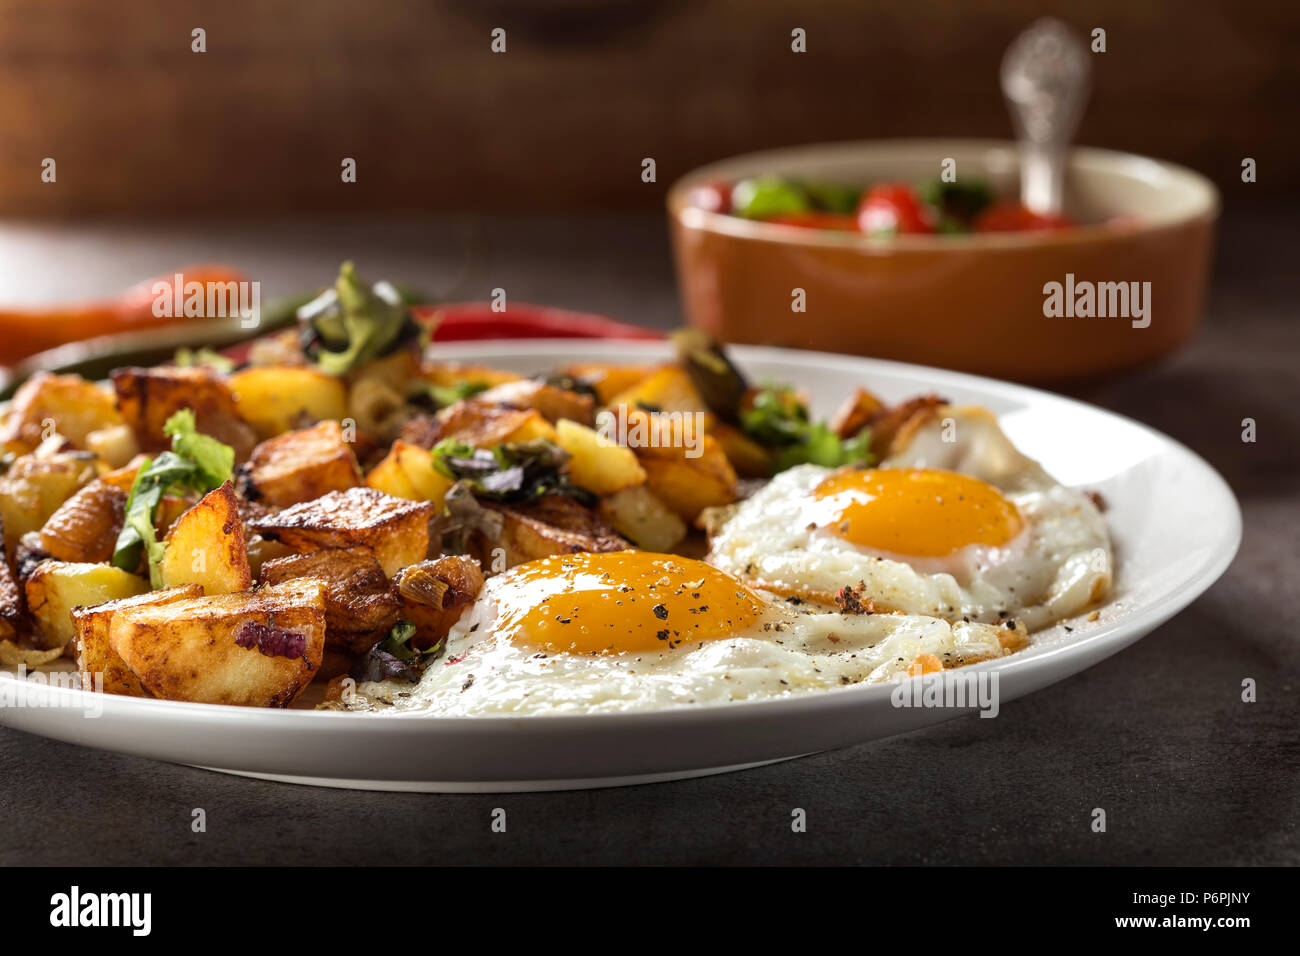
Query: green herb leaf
x=444, y=395
x=515, y=471
x=214, y=461
x=393, y=657
x=354, y=323
x=957, y=203
x=196, y=463
x=777, y=419
x=191, y=358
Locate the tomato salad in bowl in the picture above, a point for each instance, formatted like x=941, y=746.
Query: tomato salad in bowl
x=880, y=210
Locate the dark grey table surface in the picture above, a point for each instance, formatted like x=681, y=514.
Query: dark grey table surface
x=1157, y=735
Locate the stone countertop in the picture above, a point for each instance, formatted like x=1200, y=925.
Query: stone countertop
x=1157, y=735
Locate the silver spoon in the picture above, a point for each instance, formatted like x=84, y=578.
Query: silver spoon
x=1045, y=75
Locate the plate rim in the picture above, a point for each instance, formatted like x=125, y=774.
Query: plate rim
x=1108, y=637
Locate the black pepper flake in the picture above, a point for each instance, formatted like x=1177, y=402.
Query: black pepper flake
x=660, y=611
x=850, y=600
x=662, y=635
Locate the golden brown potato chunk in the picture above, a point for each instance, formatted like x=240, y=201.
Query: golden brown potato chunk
x=856, y=413
x=95, y=655
x=553, y=403
x=86, y=526
x=358, y=600
x=73, y=405
x=33, y=489
x=608, y=380
x=257, y=648
x=54, y=588
x=395, y=530
x=206, y=546
x=277, y=399
x=892, y=426
x=554, y=524
x=299, y=466
x=685, y=468
x=147, y=397
x=483, y=425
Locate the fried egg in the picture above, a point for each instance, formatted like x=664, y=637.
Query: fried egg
x=631, y=630
x=956, y=524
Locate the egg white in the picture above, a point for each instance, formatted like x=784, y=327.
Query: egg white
x=1059, y=563
x=792, y=651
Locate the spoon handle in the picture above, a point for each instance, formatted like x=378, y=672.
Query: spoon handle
x=1045, y=75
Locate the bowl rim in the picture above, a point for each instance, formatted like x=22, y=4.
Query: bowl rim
x=1205, y=198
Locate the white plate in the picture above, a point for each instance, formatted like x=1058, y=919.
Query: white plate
x=1175, y=523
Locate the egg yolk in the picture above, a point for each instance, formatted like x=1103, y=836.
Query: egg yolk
x=621, y=602
x=917, y=511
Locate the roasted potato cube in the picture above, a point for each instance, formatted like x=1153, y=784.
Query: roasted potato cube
x=56, y=587
x=86, y=526
x=394, y=529
x=33, y=489
x=147, y=397
x=667, y=389
x=407, y=472
x=396, y=369
x=608, y=380
x=483, y=425
x=893, y=426
x=299, y=466
x=553, y=524
x=450, y=374
x=643, y=519
x=688, y=486
x=281, y=398
x=685, y=467
x=95, y=654
x=206, y=546
x=550, y=402
x=72, y=405
x=389, y=477
x=595, y=462
x=115, y=445
x=123, y=478
x=856, y=413
x=434, y=594
x=748, y=457
x=358, y=599
x=254, y=648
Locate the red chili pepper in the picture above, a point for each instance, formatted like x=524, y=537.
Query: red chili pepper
x=891, y=209
x=1013, y=217
x=467, y=321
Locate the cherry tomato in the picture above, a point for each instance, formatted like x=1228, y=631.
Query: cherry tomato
x=711, y=197
x=1013, y=217
x=891, y=209
x=817, y=220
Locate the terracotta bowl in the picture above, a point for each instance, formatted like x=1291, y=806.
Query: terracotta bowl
x=976, y=302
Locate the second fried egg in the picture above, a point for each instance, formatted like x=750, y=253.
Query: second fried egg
x=958, y=524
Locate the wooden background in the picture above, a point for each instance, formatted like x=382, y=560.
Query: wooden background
x=141, y=126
